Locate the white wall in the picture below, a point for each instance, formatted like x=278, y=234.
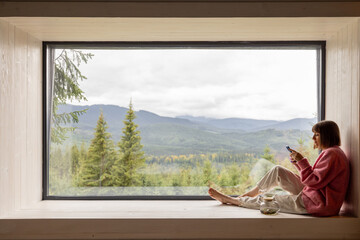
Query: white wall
x=20, y=115
x=21, y=156
x=342, y=100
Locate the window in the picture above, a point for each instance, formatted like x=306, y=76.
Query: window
x=166, y=120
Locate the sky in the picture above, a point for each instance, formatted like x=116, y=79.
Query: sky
x=216, y=83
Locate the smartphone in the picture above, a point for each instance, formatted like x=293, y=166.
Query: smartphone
x=288, y=148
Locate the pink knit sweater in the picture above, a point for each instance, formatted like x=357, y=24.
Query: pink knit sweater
x=325, y=183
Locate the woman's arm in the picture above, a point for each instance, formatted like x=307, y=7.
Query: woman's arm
x=295, y=157
x=326, y=169
x=296, y=165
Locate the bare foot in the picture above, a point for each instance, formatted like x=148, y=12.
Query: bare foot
x=222, y=197
x=252, y=193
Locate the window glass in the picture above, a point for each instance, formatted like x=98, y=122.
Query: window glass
x=168, y=122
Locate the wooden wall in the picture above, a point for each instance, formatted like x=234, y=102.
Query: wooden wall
x=179, y=29
x=342, y=100
x=21, y=148
x=20, y=115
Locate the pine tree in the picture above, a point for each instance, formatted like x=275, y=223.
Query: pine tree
x=268, y=155
x=234, y=172
x=66, y=88
x=208, y=172
x=125, y=169
x=75, y=163
x=95, y=170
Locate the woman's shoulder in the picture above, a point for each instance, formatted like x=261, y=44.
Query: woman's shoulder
x=334, y=149
x=335, y=152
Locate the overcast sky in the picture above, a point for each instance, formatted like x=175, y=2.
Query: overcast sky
x=259, y=84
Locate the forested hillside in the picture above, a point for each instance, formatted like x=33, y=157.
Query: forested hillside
x=175, y=156
x=193, y=135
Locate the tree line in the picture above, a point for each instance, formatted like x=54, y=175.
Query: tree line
x=104, y=164
x=193, y=170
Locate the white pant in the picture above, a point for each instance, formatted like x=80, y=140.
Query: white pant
x=287, y=180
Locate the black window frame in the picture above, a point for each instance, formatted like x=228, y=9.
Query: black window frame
x=320, y=46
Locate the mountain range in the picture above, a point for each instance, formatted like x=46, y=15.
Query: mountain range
x=188, y=134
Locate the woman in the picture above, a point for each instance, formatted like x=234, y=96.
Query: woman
x=319, y=190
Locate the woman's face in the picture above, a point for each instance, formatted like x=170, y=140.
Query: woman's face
x=316, y=138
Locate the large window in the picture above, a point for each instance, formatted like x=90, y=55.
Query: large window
x=168, y=120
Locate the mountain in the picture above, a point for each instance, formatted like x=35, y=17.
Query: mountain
x=296, y=123
x=186, y=134
x=251, y=125
x=244, y=124
x=114, y=115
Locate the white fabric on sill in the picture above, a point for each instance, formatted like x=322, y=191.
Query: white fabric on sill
x=287, y=180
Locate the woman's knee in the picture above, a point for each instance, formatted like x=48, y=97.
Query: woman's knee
x=278, y=168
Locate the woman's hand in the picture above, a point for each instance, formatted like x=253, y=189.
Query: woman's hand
x=295, y=156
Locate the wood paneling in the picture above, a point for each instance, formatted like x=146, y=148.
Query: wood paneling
x=179, y=29
x=20, y=121
x=34, y=128
x=5, y=115
x=355, y=117
x=342, y=100
x=20, y=149
x=48, y=8
x=21, y=74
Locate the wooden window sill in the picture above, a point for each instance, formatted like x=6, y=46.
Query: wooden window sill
x=166, y=220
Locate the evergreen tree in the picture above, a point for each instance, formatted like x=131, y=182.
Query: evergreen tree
x=234, y=172
x=75, y=157
x=223, y=179
x=208, y=172
x=59, y=171
x=268, y=155
x=125, y=169
x=75, y=163
x=82, y=153
x=66, y=88
x=307, y=151
x=95, y=170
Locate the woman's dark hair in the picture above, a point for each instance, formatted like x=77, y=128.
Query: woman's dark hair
x=329, y=133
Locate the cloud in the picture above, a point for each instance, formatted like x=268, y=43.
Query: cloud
x=213, y=83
